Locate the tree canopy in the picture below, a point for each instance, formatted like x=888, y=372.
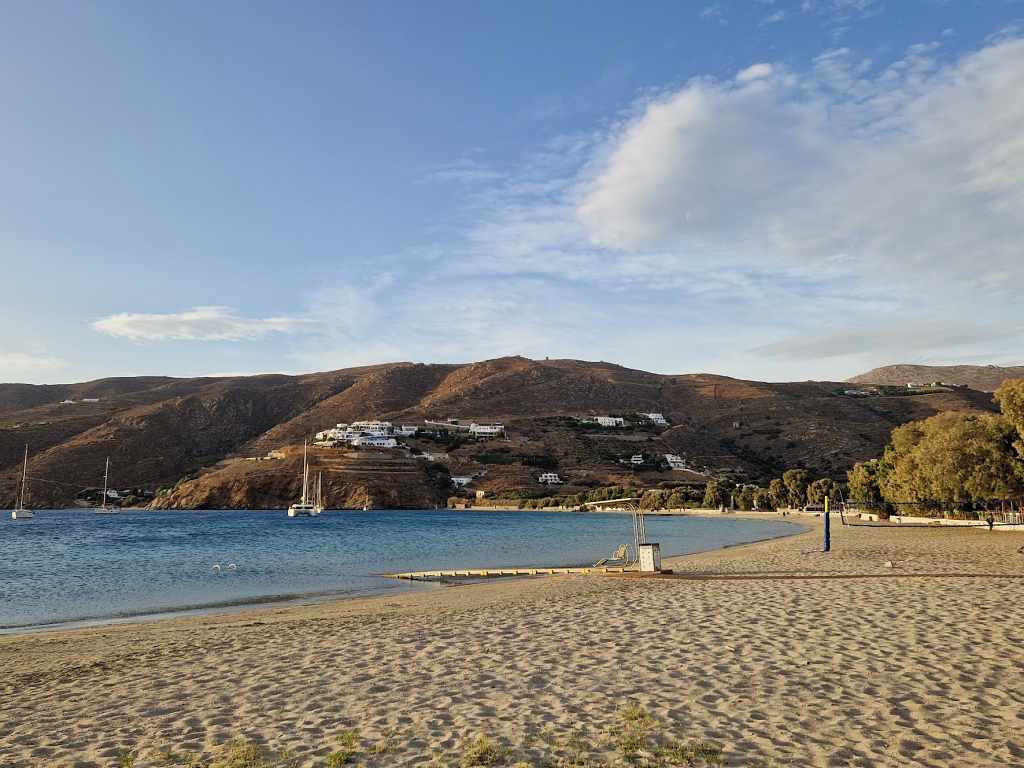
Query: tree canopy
x=953, y=457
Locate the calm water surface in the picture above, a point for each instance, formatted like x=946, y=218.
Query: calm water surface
x=68, y=566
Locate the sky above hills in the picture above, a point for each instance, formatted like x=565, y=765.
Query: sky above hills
x=769, y=189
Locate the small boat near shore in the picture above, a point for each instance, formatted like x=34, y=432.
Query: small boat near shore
x=304, y=507
x=20, y=512
x=103, y=508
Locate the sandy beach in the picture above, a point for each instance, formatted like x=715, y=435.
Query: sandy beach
x=777, y=654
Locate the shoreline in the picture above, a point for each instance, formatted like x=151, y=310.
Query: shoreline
x=259, y=605
x=772, y=651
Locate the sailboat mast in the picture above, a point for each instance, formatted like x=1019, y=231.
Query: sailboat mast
x=24, y=480
x=106, y=474
x=305, y=472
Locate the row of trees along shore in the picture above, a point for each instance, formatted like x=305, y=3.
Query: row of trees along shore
x=796, y=488
x=960, y=461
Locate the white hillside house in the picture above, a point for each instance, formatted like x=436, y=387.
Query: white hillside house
x=655, y=418
x=676, y=462
x=550, y=478
x=610, y=421
x=486, y=430
x=461, y=481
x=636, y=458
x=381, y=428
x=373, y=441
x=432, y=456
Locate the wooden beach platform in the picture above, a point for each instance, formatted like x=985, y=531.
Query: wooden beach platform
x=495, y=572
x=486, y=573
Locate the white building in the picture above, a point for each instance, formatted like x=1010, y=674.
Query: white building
x=432, y=456
x=676, y=462
x=90, y=399
x=406, y=431
x=461, y=481
x=486, y=430
x=636, y=458
x=380, y=428
x=550, y=478
x=610, y=421
x=67, y=402
x=655, y=418
x=374, y=441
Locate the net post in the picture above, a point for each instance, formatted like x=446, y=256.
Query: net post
x=827, y=544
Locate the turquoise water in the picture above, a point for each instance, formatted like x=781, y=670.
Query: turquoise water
x=68, y=566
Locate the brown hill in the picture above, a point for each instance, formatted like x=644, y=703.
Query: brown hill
x=189, y=436
x=984, y=378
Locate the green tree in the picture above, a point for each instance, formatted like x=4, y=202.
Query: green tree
x=714, y=496
x=864, y=481
x=764, y=500
x=1010, y=397
x=952, y=458
x=819, y=489
x=676, y=501
x=796, y=482
x=744, y=497
x=777, y=492
x=653, y=499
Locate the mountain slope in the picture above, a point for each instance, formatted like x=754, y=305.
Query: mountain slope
x=193, y=434
x=984, y=378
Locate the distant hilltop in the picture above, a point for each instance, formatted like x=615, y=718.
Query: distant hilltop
x=984, y=378
x=504, y=428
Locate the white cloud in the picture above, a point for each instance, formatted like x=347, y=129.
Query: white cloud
x=715, y=12
x=213, y=323
x=897, y=338
x=26, y=367
x=773, y=18
x=755, y=72
x=917, y=169
x=831, y=219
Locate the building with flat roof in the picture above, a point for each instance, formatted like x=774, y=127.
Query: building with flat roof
x=486, y=430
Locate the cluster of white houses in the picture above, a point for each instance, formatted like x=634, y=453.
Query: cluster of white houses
x=619, y=421
x=384, y=434
x=368, y=434
x=474, y=429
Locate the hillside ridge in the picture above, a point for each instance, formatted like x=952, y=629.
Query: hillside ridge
x=984, y=378
x=197, y=440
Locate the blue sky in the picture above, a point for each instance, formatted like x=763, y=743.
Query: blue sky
x=777, y=190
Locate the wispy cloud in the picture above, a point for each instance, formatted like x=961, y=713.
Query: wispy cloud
x=714, y=12
x=735, y=214
x=211, y=323
x=25, y=366
x=773, y=18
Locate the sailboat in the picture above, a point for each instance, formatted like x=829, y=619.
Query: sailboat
x=104, y=509
x=303, y=508
x=318, y=505
x=19, y=512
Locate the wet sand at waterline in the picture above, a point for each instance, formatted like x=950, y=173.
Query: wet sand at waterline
x=805, y=660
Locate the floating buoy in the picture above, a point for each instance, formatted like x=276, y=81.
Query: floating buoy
x=216, y=568
x=232, y=567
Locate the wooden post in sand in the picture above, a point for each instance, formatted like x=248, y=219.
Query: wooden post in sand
x=828, y=539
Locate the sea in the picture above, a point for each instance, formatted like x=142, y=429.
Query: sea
x=74, y=567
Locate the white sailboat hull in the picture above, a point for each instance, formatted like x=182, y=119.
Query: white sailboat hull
x=302, y=510
x=21, y=514
x=108, y=511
